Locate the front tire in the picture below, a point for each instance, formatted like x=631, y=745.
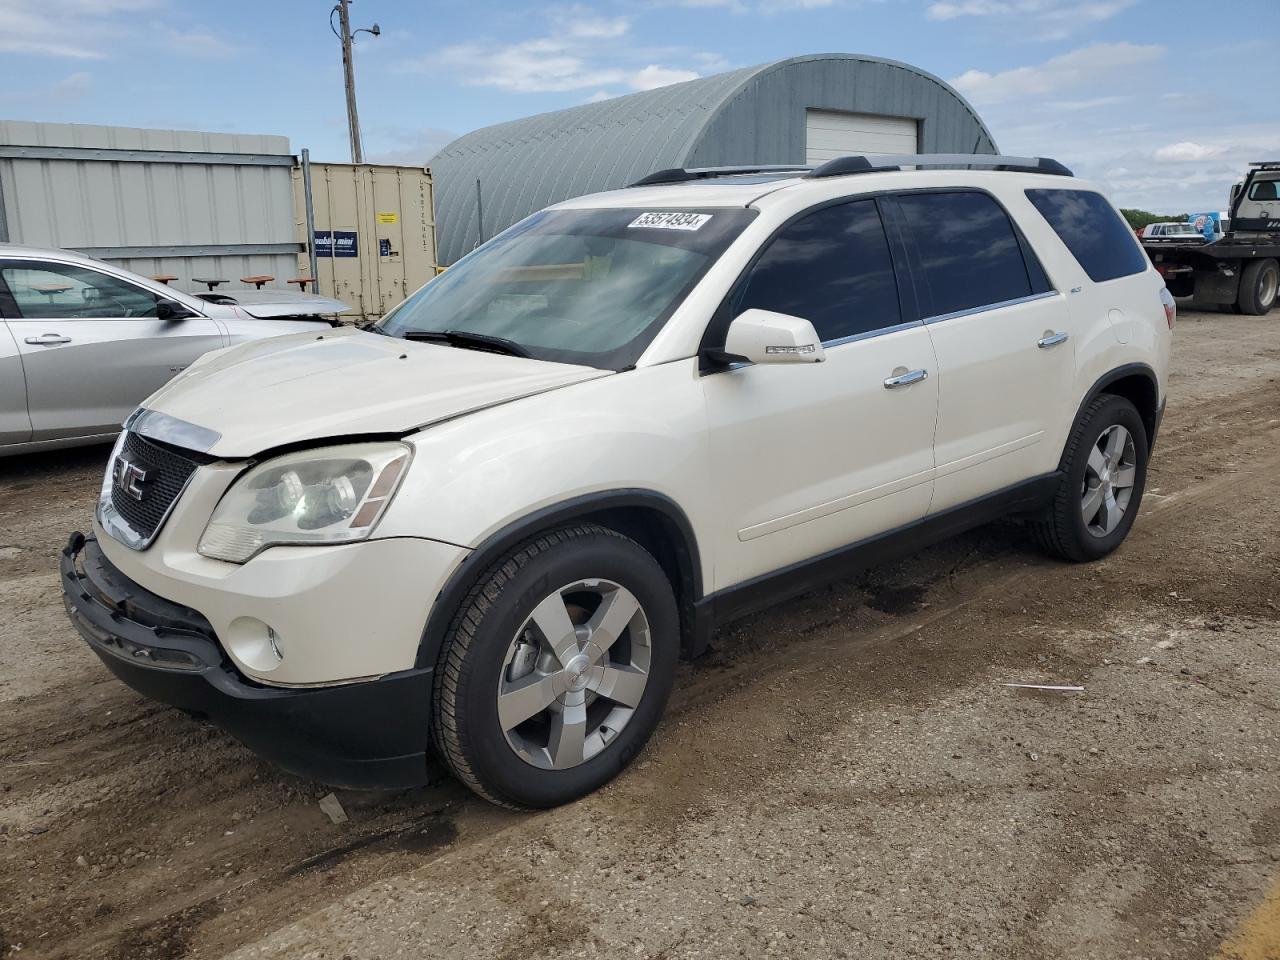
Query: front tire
x=1104, y=475
x=557, y=668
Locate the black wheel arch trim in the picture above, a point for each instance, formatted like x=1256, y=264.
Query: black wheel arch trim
x=582, y=508
x=1115, y=375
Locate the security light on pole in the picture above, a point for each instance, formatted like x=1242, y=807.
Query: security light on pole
x=344, y=33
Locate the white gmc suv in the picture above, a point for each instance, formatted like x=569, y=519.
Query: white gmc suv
x=496, y=520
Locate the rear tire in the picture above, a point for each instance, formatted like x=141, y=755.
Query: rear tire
x=556, y=668
x=1104, y=473
x=1259, y=285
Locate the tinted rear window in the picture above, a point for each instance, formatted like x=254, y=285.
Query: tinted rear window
x=1095, y=234
x=970, y=254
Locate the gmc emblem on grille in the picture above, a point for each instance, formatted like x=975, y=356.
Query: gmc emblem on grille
x=129, y=477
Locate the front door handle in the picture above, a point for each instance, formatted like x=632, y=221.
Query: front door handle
x=1052, y=340
x=906, y=379
x=47, y=340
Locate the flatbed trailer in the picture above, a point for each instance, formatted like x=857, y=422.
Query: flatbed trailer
x=1241, y=270
x=1238, y=272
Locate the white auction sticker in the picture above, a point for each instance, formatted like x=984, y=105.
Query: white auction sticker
x=670, y=221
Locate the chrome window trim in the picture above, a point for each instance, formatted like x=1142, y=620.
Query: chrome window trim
x=869, y=334
x=986, y=308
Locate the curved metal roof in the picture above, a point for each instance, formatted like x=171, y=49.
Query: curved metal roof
x=751, y=115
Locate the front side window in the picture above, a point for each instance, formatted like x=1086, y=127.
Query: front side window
x=63, y=291
x=1096, y=235
x=832, y=268
x=574, y=286
x=969, y=253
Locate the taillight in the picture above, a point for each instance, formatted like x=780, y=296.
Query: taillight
x=1170, y=306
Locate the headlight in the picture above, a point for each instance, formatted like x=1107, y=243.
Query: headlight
x=328, y=495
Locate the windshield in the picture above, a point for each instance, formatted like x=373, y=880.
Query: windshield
x=575, y=286
x=1265, y=190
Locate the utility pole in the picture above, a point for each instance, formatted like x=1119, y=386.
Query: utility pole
x=347, y=37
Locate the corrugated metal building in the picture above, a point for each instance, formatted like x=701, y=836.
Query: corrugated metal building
x=800, y=110
x=153, y=201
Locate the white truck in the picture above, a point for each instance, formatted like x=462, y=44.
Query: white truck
x=1165, y=233
x=1242, y=269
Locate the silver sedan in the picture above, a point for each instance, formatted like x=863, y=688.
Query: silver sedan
x=82, y=342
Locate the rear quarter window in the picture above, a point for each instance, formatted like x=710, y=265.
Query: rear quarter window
x=1096, y=235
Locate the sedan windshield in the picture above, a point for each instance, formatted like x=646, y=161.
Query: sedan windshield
x=575, y=286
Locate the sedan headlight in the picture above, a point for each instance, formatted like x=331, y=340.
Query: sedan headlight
x=328, y=495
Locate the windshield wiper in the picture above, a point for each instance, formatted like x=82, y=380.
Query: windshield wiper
x=468, y=340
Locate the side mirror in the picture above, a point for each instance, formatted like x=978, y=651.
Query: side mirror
x=171, y=310
x=762, y=336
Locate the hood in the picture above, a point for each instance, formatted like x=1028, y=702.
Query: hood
x=264, y=304
x=309, y=386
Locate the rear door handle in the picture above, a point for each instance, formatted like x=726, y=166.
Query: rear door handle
x=906, y=379
x=47, y=340
x=1051, y=341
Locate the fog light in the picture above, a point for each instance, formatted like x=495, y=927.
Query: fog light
x=254, y=643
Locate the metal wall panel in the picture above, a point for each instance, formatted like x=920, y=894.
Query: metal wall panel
x=753, y=115
x=391, y=211
x=79, y=189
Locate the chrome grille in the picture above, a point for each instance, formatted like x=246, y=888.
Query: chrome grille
x=167, y=473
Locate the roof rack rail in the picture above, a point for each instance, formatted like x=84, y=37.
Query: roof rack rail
x=682, y=174
x=844, y=166
x=1266, y=164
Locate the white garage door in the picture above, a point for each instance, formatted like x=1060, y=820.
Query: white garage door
x=829, y=133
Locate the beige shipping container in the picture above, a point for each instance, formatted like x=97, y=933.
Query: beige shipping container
x=375, y=233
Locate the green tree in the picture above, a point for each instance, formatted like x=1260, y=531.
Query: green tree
x=1140, y=218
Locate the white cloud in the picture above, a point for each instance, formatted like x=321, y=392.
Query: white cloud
x=73, y=86
x=542, y=65
x=198, y=43
x=710, y=62
x=599, y=96
x=1090, y=103
x=593, y=28
x=1188, y=152
x=765, y=7
x=74, y=30
x=1112, y=114
x=1121, y=156
x=1037, y=19
x=1087, y=66
x=408, y=146
x=580, y=51
x=98, y=30
x=653, y=76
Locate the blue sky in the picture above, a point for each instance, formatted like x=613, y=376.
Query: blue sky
x=1161, y=100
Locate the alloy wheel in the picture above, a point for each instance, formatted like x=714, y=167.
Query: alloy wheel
x=1109, y=478
x=574, y=674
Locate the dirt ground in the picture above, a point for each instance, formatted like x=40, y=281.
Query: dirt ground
x=844, y=776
